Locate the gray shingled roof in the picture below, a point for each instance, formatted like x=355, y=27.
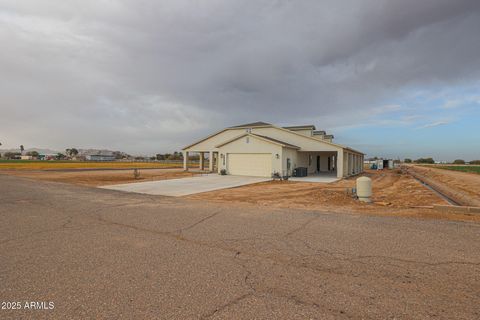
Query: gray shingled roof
x=310, y=126
x=253, y=124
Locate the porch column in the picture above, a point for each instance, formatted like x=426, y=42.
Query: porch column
x=352, y=168
x=355, y=167
x=340, y=164
x=350, y=164
x=200, y=163
x=185, y=160
x=354, y=163
x=210, y=161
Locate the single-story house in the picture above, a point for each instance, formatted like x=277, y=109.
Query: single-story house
x=100, y=157
x=262, y=149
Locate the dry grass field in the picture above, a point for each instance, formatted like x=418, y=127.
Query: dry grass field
x=58, y=165
x=461, y=168
x=95, y=178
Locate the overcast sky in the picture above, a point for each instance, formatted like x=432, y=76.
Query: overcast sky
x=395, y=78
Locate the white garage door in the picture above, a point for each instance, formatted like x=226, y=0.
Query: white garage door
x=250, y=164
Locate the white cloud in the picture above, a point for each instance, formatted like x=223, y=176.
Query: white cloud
x=434, y=124
x=461, y=102
x=164, y=73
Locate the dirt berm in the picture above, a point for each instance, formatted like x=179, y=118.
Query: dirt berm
x=458, y=186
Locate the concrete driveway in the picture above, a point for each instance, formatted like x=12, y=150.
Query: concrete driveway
x=186, y=186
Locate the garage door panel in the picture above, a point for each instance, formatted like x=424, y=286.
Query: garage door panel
x=250, y=164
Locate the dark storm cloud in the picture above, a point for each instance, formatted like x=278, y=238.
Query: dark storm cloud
x=147, y=75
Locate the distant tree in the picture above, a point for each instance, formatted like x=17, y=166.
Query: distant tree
x=22, y=149
x=170, y=156
x=11, y=155
x=459, y=161
x=120, y=155
x=193, y=157
x=33, y=154
x=407, y=160
x=60, y=156
x=153, y=158
x=475, y=162
x=425, y=160
x=71, y=152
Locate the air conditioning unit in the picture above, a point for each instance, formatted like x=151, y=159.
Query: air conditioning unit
x=300, y=172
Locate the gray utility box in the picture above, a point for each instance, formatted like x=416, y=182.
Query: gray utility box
x=300, y=172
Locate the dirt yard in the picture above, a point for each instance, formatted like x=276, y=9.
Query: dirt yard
x=100, y=177
x=394, y=193
x=468, y=183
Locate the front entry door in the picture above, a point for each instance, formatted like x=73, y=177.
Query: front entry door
x=329, y=164
x=318, y=163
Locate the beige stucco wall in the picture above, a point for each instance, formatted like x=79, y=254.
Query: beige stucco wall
x=305, y=143
x=288, y=153
x=211, y=143
x=254, y=145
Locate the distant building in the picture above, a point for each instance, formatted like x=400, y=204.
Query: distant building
x=100, y=157
x=26, y=157
x=46, y=156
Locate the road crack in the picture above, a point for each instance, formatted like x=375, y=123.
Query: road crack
x=225, y=306
x=198, y=222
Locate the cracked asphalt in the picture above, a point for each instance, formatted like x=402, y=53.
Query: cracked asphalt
x=102, y=254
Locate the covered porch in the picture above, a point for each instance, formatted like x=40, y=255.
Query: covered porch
x=207, y=160
x=318, y=163
x=352, y=163
x=340, y=164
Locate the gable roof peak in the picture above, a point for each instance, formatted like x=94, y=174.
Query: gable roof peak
x=251, y=125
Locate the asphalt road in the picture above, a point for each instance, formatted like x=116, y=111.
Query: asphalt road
x=101, y=254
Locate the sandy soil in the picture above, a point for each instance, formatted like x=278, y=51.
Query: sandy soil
x=468, y=183
x=101, y=177
x=394, y=194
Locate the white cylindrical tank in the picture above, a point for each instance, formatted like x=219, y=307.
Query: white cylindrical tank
x=364, y=189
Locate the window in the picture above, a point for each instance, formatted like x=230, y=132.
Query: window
x=309, y=160
x=247, y=140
